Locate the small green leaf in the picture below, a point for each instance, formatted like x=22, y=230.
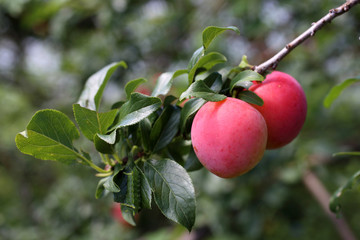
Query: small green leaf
x=214, y=81
x=244, y=78
x=346, y=154
x=103, y=143
x=192, y=162
x=201, y=90
x=173, y=191
x=145, y=129
x=100, y=189
x=137, y=108
x=109, y=183
x=145, y=191
x=49, y=136
x=250, y=97
x=165, y=128
x=195, y=57
x=132, y=85
x=352, y=183
x=206, y=62
x=164, y=82
x=189, y=109
x=92, y=122
x=95, y=85
x=244, y=64
x=336, y=91
x=211, y=32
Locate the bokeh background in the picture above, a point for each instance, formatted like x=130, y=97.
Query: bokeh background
x=48, y=48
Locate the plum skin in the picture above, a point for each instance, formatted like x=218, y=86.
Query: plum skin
x=229, y=137
x=284, y=108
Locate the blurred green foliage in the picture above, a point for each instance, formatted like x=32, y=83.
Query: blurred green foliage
x=49, y=48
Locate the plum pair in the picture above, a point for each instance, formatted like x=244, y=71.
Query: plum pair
x=230, y=137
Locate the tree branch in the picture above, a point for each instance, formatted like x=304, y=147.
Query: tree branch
x=333, y=13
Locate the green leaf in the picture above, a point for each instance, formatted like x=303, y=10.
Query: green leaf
x=164, y=82
x=145, y=129
x=214, y=81
x=49, y=136
x=165, y=128
x=352, y=183
x=192, y=162
x=95, y=85
x=128, y=214
x=137, y=108
x=250, y=97
x=100, y=189
x=103, y=143
x=168, y=100
x=336, y=91
x=173, y=191
x=110, y=183
x=244, y=79
x=206, y=62
x=145, y=191
x=211, y=32
x=92, y=122
x=346, y=154
x=132, y=85
x=201, y=90
x=244, y=64
x=195, y=57
x=189, y=109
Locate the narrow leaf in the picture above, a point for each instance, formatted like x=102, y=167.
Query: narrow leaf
x=132, y=85
x=206, y=62
x=100, y=189
x=250, y=97
x=95, y=85
x=189, y=109
x=195, y=57
x=346, y=154
x=92, y=122
x=165, y=128
x=214, y=81
x=211, y=32
x=137, y=108
x=352, y=183
x=201, y=90
x=336, y=91
x=244, y=78
x=49, y=136
x=173, y=191
x=145, y=191
x=164, y=82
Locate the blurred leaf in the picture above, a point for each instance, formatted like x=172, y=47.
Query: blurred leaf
x=189, y=109
x=250, y=97
x=95, y=85
x=128, y=214
x=244, y=64
x=137, y=108
x=92, y=122
x=210, y=33
x=206, y=62
x=145, y=191
x=192, y=162
x=100, y=189
x=244, y=78
x=201, y=90
x=164, y=82
x=195, y=58
x=49, y=136
x=336, y=91
x=173, y=191
x=352, y=183
x=214, y=81
x=132, y=85
x=346, y=154
x=165, y=128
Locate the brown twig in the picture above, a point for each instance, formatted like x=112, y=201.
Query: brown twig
x=317, y=189
x=333, y=13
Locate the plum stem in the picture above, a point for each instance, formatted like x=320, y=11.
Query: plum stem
x=315, y=26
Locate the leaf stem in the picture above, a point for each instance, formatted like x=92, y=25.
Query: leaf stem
x=91, y=164
x=333, y=13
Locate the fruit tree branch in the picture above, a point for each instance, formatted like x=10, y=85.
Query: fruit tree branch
x=333, y=13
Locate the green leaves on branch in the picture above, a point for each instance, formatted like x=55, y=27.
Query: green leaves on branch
x=244, y=79
x=337, y=90
x=173, y=190
x=211, y=32
x=49, y=136
x=132, y=85
x=95, y=85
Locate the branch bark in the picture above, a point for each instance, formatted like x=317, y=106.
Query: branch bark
x=333, y=13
